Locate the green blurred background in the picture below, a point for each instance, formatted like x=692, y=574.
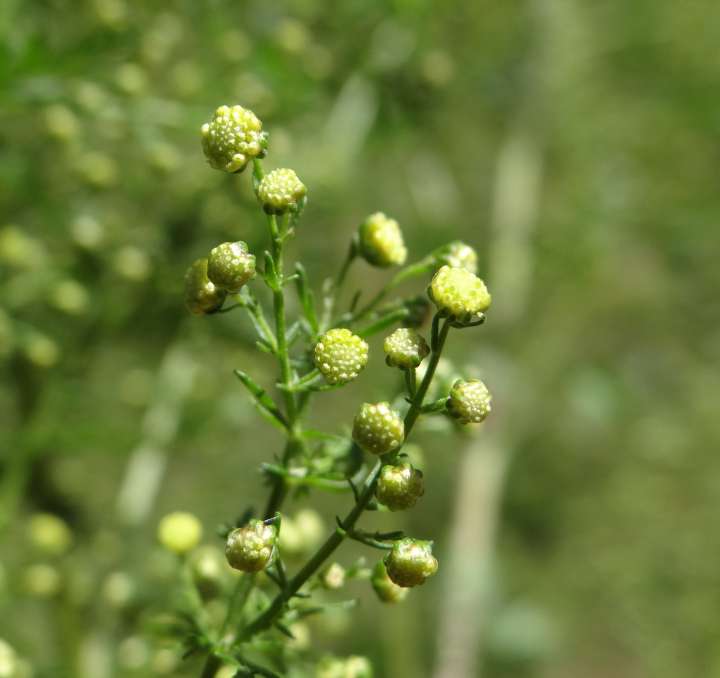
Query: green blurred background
x=573, y=143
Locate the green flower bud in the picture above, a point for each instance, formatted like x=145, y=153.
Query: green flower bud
x=405, y=349
x=385, y=588
x=50, y=534
x=232, y=138
x=459, y=255
x=251, y=548
x=378, y=428
x=179, y=532
x=399, y=487
x=381, y=242
x=469, y=401
x=459, y=293
x=333, y=577
x=340, y=355
x=201, y=295
x=230, y=265
x=411, y=562
x=280, y=191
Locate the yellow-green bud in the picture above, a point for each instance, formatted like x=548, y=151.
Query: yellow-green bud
x=378, y=428
x=411, y=562
x=280, y=191
x=470, y=401
x=459, y=293
x=405, y=348
x=50, y=534
x=381, y=242
x=201, y=295
x=460, y=255
x=251, y=548
x=340, y=355
x=399, y=487
x=230, y=265
x=179, y=532
x=232, y=138
x=333, y=576
x=385, y=588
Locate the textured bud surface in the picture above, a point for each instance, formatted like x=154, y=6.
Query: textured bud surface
x=340, y=355
x=381, y=241
x=459, y=293
x=405, y=348
x=230, y=265
x=280, y=191
x=385, y=588
x=399, y=487
x=251, y=548
x=411, y=562
x=201, y=295
x=461, y=255
x=378, y=428
x=232, y=138
x=179, y=532
x=469, y=401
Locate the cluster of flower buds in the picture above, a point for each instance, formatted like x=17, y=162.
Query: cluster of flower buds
x=399, y=487
x=340, y=355
x=281, y=191
x=458, y=293
x=380, y=241
x=378, y=428
x=469, y=401
x=405, y=349
x=232, y=138
x=251, y=548
x=411, y=562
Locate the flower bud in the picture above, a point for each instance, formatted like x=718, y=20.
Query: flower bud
x=232, y=138
x=459, y=293
x=179, y=532
x=333, y=577
x=405, y=349
x=469, y=401
x=459, y=255
x=251, y=548
x=381, y=242
x=280, y=191
x=201, y=295
x=340, y=355
x=385, y=588
x=411, y=562
x=230, y=265
x=50, y=534
x=399, y=487
x=378, y=428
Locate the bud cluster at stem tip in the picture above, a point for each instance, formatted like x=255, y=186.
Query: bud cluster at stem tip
x=251, y=548
x=380, y=241
x=378, y=428
x=232, y=138
x=469, y=402
x=281, y=190
x=405, y=348
x=340, y=355
x=230, y=265
x=457, y=292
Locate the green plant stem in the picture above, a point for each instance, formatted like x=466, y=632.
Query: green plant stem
x=266, y=619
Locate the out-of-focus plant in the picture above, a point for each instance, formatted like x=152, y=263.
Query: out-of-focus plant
x=321, y=350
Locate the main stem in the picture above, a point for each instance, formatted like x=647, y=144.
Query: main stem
x=270, y=615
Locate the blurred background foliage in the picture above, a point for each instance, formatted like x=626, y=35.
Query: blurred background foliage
x=572, y=142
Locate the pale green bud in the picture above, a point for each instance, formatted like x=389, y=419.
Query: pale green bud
x=411, y=562
x=458, y=293
x=201, y=295
x=50, y=534
x=405, y=348
x=179, y=532
x=232, y=138
x=470, y=401
x=280, y=191
x=378, y=428
x=231, y=265
x=333, y=576
x=399, y=487
x=460, y=255
x=385, y=588
x=340, y=355
x=251, y=548
x=380, y=241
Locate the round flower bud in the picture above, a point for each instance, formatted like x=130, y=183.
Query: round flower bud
x=399, y=487
x=469, y=401
x=333, y=577
x=251, y=548
x=50, y=534
x=179, y=532
x=411, y=562
x=232, y=138
x=280, y=191
x=201, y=295
x=405, y=349
x=230, y=265
x=381, y=242
x=378, y=428
x=385, y=588
x=459, y=255
x=459, y=293
x=340, y=355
